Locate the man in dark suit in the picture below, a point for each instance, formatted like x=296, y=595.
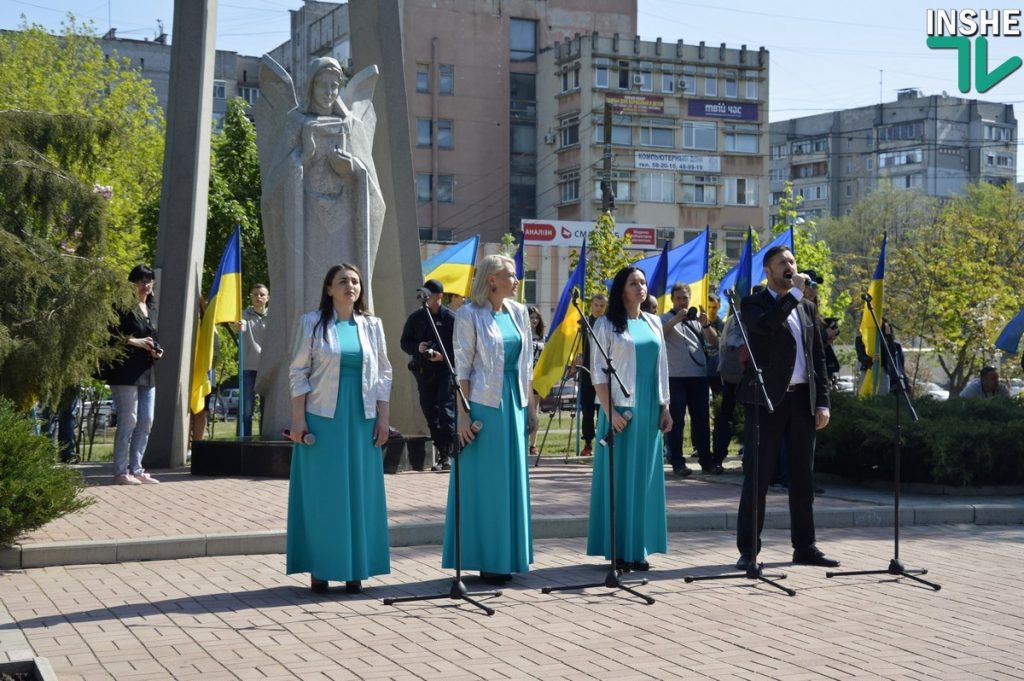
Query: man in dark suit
x=785, y=341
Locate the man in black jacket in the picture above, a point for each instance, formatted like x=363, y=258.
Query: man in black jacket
x=427, y=365
x=785, y=341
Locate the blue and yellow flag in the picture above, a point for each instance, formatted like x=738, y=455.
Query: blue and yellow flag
x=1009, y=339
x=520, y=260
x=869, y=332
x=686, y=264
x=657, y=285
x=754, y=270
x=224, y=304
x=565, y=326
x=453, y=266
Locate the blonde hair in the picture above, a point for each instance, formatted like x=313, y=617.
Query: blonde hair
x=488, y=266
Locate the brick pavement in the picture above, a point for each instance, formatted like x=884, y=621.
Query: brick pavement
x=240, y=618
x=187, y=505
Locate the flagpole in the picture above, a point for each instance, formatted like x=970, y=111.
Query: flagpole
x=241, y=341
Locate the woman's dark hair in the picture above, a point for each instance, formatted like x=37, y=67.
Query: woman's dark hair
x=540, y=320
x=327, y=303
x=141, y=273
x=616, y=313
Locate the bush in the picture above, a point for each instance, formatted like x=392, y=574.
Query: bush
x=34, y=487
x=957, y=442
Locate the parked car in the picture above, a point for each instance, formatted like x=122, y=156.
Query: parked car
x=105, y=413
x=845, y=384
x=227, y=401
x=1015, y=386
x=561, y=396
x=929, y=389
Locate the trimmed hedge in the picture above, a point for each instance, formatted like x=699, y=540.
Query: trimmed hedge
x=34, y=487
x=959, y=442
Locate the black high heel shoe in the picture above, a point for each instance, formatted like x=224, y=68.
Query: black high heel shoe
x=317, y=586
x=354, y=587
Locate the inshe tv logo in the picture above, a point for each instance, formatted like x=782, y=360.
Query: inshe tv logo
x=953, y=30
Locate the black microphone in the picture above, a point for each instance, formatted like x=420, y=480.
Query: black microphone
x=422, y=294
x=628, y=415
x=691, y=314
x=730, y=295
x=866, y=297
x=575, y=295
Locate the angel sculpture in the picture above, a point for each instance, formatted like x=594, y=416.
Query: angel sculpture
x=321, y=203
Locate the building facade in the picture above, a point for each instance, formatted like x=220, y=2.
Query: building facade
x=689, y=135
x=935, y=144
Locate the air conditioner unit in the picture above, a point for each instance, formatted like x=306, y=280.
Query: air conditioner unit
x=638, y=79
x=682, y=85
x=549, y=138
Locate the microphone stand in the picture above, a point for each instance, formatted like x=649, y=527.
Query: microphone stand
x=896, y=567
x=458, y=591
x=558, y=403
x=755, y=570
x=613, y=580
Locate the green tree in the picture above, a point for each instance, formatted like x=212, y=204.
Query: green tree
x=69, y=75
x=954, y=282
x=606, y=255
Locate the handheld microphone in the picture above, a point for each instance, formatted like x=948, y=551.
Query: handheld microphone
x=628, y=415
x=307, y=439
x=422, y=294
x=691, y=314
x=476, y=426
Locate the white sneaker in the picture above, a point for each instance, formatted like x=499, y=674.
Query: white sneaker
x=145, y=478
x=126, y=479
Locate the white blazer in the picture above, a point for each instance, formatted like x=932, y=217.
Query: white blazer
x=480, y=352
x=316, y=364
x=621, y=349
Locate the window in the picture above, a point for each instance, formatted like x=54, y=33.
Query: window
x=424, y=132
x=219, y=89
x=908, y=181
x=742, y=140
x=901, y=131
x=700, y=135
x=999, y=160
x=734, y=245
x=646, y=77
x=890, y=159
x=529, y=285
x=570, y=132
x=569, y=188
x=657, y=132
x=751, y=84
x=620, y=189
x=700, y=189
x=601, y=72
x=813, y=192
x=622, y=132
x=624, y=83
x=998, y=133
x=576, y=78
x=668, y=83
x=778, y=174
x=522, y=40
x=446, y=82
x=869, y=163
x=422, y=77
x=810, y=146
x=741, y=191
x=426, y=234
x=564, y=78
x=524, y=139
x=657, y=187
x=423, y=187
x=249, y=94
x=849, y=190
x=445, y=135
x=731, y=87
x=780, y=150
x=711, y=82
x=523, y=96
x=445, y=188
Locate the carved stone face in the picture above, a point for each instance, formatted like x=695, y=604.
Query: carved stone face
x=324, y=91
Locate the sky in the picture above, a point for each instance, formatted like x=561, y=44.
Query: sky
x=833, y=56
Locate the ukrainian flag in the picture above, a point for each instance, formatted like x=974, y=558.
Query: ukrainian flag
x=453, y=266
x=224, y=304
x=1009, y=339
x=657, y=285
x=687, y=264
x=753, y=269
x=520, y=261
x=565, y=326
x=869, y=333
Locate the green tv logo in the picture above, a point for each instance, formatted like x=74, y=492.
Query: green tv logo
x=954, y=30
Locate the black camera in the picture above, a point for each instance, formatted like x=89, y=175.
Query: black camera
x=157, y=348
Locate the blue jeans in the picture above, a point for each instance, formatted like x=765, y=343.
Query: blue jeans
x=248, y=403
x=134, y=405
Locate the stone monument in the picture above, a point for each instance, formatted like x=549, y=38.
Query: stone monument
x=321, y=204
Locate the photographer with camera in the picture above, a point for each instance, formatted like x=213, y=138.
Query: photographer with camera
x=427, y=365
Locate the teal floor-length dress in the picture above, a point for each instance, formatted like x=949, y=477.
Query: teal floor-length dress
x=337, y=513
x=640, y=524
x=496, y=532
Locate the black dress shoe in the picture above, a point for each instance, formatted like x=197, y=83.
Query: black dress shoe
x=681, y=471
x=354, y=587
x=495, y=578
x=745, y=563
x=641, y=565
x=317, y=586
x=813, y=556
x=623, y=565
x=718, y=470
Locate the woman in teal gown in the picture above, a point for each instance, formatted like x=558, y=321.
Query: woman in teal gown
x=340, y=383
x=493, y=359
x=637, y=347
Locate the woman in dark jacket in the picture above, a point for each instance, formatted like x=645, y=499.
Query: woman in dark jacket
x=130, y=378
